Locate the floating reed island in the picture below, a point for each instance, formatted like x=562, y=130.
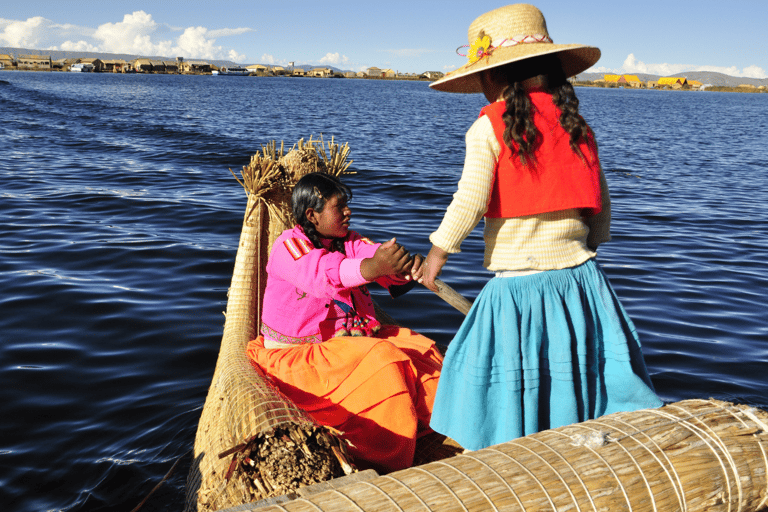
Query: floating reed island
x=255, y=449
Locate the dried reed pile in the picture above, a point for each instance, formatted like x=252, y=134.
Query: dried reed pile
x=241, y=406
x=285, y=458
x=695, y=455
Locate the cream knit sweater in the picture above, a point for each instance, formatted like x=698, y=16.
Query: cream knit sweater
x=546, y=241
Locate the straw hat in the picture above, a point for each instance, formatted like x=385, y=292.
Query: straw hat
x=511, y=34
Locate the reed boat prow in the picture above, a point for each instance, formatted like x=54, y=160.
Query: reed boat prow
x=693, y=455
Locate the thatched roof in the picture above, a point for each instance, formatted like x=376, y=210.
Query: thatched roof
x=671, y=80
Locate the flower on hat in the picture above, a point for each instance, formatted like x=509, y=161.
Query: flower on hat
x=479, y=49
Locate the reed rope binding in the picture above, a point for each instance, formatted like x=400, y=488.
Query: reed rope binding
x=573, y=471
x=641, y=461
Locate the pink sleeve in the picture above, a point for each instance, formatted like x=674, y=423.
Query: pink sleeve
x=361, y=247
x=350, y=273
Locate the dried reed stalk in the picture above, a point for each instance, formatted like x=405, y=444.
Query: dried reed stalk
x=281, y=460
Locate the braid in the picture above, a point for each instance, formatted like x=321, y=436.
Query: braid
x=564, y=97
x=521, y=134
x=520, y=129
x=311, y=232
x=337, y=245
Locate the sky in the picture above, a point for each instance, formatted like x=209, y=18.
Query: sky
x=661, y=37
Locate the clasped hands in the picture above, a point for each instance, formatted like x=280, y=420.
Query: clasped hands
x=392, y=258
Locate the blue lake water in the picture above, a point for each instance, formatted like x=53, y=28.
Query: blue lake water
x=121, y=222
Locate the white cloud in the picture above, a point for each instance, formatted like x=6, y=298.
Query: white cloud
x=132, y=35
x=79, y=46
x=197, y=41
x=334, y=58
x=22, y=33
x=38, y=32
x=633, y=65
x=137, y=33
x=268, y=59
x=754, y=72
x=236, y=57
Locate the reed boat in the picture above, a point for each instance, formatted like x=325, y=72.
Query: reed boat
x=255, y=449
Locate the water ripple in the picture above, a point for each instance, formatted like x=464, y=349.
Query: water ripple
x=122, y=221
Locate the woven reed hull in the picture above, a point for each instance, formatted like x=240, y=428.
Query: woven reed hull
x=695, y=455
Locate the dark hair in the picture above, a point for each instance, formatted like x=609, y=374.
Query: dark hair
x=520, y=128
x=312, y=191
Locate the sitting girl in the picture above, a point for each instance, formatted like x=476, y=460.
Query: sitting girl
x=321, y=342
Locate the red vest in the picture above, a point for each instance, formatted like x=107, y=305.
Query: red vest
x=557, y=179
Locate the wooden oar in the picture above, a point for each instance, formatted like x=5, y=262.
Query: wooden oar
x=452, y=297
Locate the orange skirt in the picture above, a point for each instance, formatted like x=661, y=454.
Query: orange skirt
x=378, y=391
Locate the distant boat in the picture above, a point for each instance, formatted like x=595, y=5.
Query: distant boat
x=81, y=68
x=233, y=71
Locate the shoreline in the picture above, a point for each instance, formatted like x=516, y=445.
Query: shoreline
x=712, y=88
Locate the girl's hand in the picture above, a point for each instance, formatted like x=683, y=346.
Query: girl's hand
x=390, y=258
x=432, y=267
x=417, y=269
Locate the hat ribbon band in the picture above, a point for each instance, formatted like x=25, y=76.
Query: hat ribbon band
x=510, y=41
x=514, y=41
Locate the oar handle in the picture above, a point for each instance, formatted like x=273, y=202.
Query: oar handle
x=452, y=297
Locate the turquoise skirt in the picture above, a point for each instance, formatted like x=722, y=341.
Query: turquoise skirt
x=537, y=352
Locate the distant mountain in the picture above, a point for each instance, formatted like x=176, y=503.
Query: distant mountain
x=705, y=77
x=710, y=77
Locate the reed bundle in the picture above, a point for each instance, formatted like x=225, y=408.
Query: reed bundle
x=242, y=406
x=695, y=455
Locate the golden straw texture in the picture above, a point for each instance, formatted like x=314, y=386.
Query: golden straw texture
x=517, y=32
x=695, y=455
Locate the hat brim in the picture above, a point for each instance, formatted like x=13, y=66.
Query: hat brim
x=575, y=58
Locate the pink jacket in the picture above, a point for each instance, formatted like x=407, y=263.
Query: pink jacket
x=313, y=295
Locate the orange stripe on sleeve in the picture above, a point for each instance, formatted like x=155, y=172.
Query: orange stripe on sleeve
x=298, y=247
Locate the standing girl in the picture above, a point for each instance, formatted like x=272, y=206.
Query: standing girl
x=321, y=343
x=547, y=342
